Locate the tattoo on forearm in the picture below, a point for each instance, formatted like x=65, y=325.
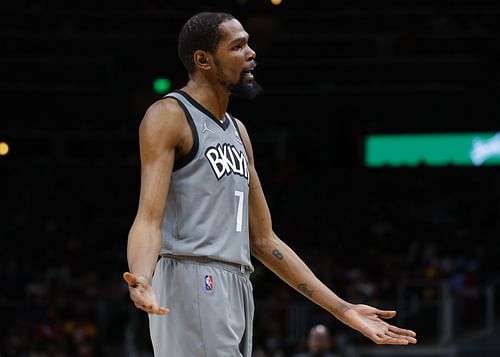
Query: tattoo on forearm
x=344, y=308
x=277, y=254
x=303, y=288
x=339, y=310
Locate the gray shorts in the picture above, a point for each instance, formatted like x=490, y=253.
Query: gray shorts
x=211, y=309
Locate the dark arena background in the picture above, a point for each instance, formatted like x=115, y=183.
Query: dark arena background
x=411, y=228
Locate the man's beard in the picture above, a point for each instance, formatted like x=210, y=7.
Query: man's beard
x=242, y=89
x=245, y=89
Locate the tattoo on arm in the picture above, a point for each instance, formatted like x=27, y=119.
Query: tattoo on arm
x=277, y=254
x=344, y=308
x=303, y=288
x=338, y=310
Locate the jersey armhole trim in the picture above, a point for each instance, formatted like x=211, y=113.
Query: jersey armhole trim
x=183, y=161
x=235, y=123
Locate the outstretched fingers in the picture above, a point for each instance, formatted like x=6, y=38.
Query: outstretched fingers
x=152, y=309
x=397, y=335
x=142, y=295
x=391, y=338
x=386, y=314
x=403, y=333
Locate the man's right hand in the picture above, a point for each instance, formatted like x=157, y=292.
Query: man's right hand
x=143, y=295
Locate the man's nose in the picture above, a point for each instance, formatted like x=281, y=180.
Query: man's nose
x=251, y=54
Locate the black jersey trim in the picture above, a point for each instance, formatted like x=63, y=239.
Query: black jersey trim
x=204, y=110
x=235, y=123
x=183, y=161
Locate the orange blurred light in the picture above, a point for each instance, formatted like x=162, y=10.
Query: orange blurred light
x=276, y=2
x=4, y=148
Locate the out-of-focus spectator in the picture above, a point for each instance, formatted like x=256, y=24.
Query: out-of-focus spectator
x=319, y=343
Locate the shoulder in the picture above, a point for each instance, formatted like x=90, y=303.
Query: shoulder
x=240, y=124
x=163, y=113
x=163, y=120
x=246, y=139
x=243, y=131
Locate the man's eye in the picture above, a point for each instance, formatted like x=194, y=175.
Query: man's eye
x=235, y=48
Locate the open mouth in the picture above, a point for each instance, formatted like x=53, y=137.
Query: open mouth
x=248, y=75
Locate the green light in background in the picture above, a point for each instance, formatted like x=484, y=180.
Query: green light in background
x=459, y=149
x=161, y=85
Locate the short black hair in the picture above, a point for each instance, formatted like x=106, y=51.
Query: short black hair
x=200, y=32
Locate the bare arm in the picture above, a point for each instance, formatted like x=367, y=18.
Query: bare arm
x=282, y=260
x=160, y=133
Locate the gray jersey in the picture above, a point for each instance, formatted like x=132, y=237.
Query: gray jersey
x=207, y=204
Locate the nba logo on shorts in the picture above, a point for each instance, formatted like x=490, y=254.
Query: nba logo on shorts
x=209, y=284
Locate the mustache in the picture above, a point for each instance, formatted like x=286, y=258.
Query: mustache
x=252, y=65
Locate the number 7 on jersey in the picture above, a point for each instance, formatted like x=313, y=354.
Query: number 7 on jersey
x=239, y=213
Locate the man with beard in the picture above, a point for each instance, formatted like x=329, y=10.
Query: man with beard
x=202, y=209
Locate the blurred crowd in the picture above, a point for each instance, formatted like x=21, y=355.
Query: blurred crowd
x=387, y=237
x=76, y=80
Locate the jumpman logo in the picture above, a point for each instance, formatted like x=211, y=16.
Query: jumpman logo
x=205, y=128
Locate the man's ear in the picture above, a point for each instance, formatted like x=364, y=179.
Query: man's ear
x=202, y=60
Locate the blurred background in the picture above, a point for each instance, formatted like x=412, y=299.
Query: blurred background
x=374, y=139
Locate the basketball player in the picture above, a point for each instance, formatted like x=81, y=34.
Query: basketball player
x=202, y=210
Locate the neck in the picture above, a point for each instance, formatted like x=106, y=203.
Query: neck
x=213, y=97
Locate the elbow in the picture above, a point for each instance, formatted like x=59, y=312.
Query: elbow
x=256, y=247
x=259, y=245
